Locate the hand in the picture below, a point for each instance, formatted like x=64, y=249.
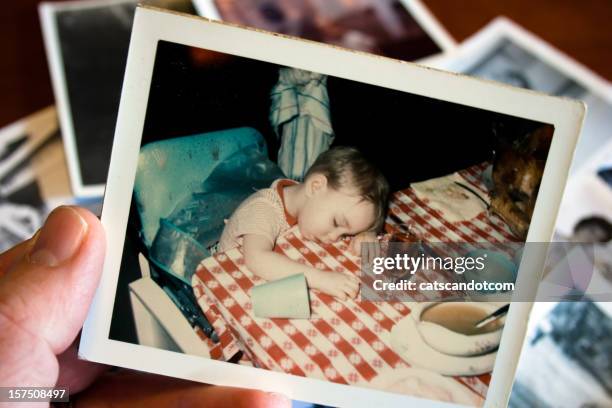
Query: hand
x=339, y=284
x=46, y=286
x=371, y=251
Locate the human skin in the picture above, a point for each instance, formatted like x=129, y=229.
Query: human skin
x=324, y=215
x=46, y=287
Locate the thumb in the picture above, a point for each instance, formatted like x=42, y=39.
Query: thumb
x=45, y=296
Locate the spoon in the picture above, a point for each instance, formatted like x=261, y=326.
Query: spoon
x=493, y=316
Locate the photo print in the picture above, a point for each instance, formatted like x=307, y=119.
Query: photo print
x=28, y=149
x=570, y=346
x=585, y=216
x=399, y=29
x=87, y=44
x=235, y=260
x=33, y=176
x=219, y=128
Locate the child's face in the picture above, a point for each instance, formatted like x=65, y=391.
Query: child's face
x=329, y=215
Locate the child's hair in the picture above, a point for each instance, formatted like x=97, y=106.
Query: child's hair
x=346, y=167
x=596, y=223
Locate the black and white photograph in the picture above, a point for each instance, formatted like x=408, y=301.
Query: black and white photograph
x=513, y=65
x=22, y=145
x=234, y=213
x=585, y=216
x=87, y=44
x=570, y=359
x=33, y=176
x=588, y=195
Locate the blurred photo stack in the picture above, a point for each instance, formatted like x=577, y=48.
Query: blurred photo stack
x=60, y=155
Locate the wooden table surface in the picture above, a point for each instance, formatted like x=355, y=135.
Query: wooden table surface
x=579, y=28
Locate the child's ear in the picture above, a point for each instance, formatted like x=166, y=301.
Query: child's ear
x=315, y=184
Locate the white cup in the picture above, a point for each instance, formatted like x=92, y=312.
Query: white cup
x=282, y=298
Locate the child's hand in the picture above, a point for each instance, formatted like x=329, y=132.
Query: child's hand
x=372, y=251
x=338, y=284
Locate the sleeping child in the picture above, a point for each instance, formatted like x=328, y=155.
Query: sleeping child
x=343, y=195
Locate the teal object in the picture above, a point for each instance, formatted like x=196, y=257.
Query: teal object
x=498, y=268
x=186, y=187
x=171, y=170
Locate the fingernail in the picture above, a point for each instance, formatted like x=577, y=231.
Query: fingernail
x=280, y=398
x=60, y=237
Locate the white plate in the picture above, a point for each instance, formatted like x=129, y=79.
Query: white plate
x=408, y=343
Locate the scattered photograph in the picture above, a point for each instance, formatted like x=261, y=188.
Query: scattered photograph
x=33, y=176
x=393, y=28
x=569, y=353
x=87, y=44
x=585, y=216
x=511, y=64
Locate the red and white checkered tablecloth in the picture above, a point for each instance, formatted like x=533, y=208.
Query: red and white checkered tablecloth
x=347, y=342
x=430, y=225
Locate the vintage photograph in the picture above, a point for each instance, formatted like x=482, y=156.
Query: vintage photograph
x=585, y=216
x=247, y=174
x=33, y=176
x=513, y=65
x=87, y=45
x=22, y=208
x=392, y=28
x=251, y=172
x=570, y=347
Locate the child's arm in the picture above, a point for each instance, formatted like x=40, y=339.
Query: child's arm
x=260, y=258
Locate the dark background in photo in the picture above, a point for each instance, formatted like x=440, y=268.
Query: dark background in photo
x=410, y=137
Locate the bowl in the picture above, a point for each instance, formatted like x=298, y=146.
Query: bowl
x=452, y=342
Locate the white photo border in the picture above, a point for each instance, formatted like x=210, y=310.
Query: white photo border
x=152, y=25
